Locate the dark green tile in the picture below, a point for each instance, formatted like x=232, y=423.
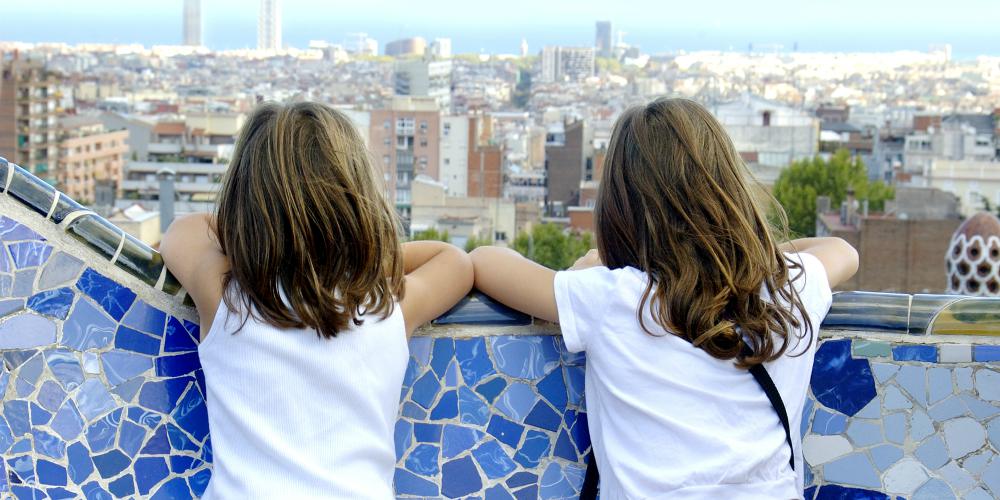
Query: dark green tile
x=33, y=192
x=97, y=233
x=140, y=260
x=923, y=308
x=170, y=285
x=869, y=311
x=64, y=207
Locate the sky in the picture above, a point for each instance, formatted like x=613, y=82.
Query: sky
x=970, y=26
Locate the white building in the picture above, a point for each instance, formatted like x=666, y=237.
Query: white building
x=767, y=132
x=424, y=78
x=975, y=183
x=192, y=22
x=454, y=155
x=960, y=137
x=441, y=47
x=567, y=63
x=269, y=25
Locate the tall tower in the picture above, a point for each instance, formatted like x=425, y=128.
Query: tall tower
x=192, y=22
x=602, y=39
x=269, y=25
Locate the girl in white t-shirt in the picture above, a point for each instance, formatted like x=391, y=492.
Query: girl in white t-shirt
x=687, y=270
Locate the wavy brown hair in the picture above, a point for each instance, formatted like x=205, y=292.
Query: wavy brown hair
x=675, y=201
x=302, y=213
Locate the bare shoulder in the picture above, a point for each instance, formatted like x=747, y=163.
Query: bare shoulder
x=192, y=253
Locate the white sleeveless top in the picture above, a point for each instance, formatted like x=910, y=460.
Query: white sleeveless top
x=293, y=415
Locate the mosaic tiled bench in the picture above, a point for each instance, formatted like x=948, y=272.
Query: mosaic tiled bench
x=103, y=393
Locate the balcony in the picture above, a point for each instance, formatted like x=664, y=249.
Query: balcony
x=904, y=399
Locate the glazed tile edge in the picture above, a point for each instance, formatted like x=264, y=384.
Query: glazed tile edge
x=60, y=240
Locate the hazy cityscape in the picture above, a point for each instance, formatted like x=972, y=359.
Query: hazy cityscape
x=481, y=147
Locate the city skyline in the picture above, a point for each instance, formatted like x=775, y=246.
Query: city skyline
x=712, y=25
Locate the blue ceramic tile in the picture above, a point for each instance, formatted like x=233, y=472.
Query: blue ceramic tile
x=935, y=489
x=52, y=302
x=32, y=369
x=913, y=380
x=192, y=415
x=427, y=433
x=425, y=390
x=174, y=489
x=122, y=487
x=93, y=399
x=145, y=318
x=574, y=384
x=67, y=422
x=521, y=479
x=7, y=286
x=927, y=353
x=527, y=493
x=526, y=357
x=886, y=455
x=839, y=381
x=113, y=298
x=536, y=445
x=131, y=438
x=199, y=482
x=555, y=483
x=50, y=473
x=827, y=424
x=61, y=269
x=120, y=366
x=412, y=370
x=149, y=471
x=543, y=416
x=23, y=466
x=24, y=283
x=423, y=460
x=179, y=364
x=444, y=351
x=853, y=470
x=420, y=349
x=939, y=384
x=932, y=453
x=505, y=431
x=93, y=491
x=11, y=230
x=553, y=388
x=493, y=460
x=177, y=338
x=407, y=483
x=126, y=391
x=50, y=396
x=10, y=306
x=446, y=407
x=837, y=492
x=80, y=464
x=895, y=399
x=516, y=401
x=456, y=439
x=59, y=493
x=807, y=409
x=948, y=409
x=402, y=437
x=579, y=430
x=986, y=353
x=864, y=434
x=920, y=426
x=29, y=253
x=16, y=413
x=491, y=388
x=497, y=493
x=564, y=447
x=414, y=411
x=180, y=464
x=895, y=427
x=472, y=409
x=473, y=360
x=459, y=477
x=39, y=416
x=6, y=439
x=47, y=444
x=979, y=409
x=87, y=327
x=25, y=331
x=143, y=417
x=101, y=434
x=158, y=444
x=132, y=340
x=479, y=309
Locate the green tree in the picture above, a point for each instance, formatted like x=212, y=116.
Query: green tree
x=431, y=235
x=551, y=246
x=472, y=243
x=798, y=186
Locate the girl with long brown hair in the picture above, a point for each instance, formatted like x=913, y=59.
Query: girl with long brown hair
x=306, y=299
x=689, y=287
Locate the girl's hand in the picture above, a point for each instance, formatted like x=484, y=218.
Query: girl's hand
x=591, y=259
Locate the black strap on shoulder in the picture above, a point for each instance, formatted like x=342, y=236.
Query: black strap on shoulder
x=591, y=480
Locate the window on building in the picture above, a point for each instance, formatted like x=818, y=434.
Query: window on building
x=447, y=161
x=423, y=126
x=387, y=141
x=766, y=117
x=447, y=129
x=386, y=125
x=385, y=159
x=423, y=142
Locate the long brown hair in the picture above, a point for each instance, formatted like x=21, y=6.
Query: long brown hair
x=302, y=213
x=675, y=201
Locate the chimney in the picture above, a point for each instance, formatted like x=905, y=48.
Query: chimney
x=852, y=209
x=166, y=177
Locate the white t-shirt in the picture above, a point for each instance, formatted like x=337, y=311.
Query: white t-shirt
x=667, y=419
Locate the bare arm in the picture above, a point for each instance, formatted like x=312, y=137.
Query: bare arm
x=838, y=257
x=438, y=275
x=192, y=253
x=516, y=281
